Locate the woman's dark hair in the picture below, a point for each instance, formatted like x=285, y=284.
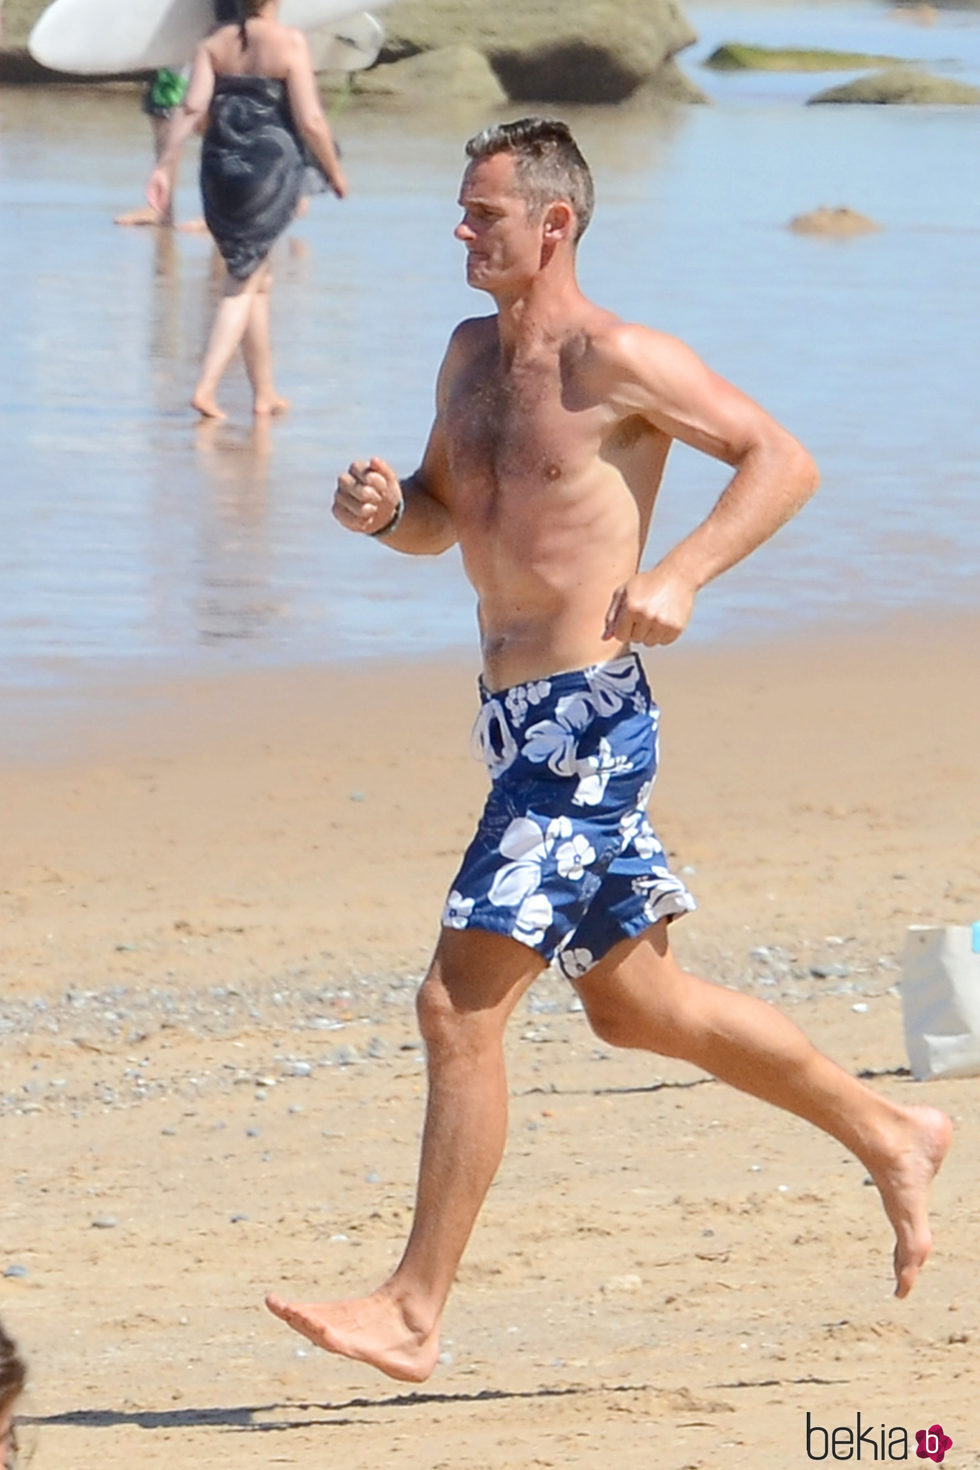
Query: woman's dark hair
x=13, y=1373
x=236, y=13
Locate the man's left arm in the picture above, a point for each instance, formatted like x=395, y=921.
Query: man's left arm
x=663, y=381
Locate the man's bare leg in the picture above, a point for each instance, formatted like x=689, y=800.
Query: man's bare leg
x=230, y=322
x=257, y=350
x=638, y=996
x=464, y=1004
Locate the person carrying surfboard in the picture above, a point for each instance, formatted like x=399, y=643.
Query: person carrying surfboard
x=254, y=90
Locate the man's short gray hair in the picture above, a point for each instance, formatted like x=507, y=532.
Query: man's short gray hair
x=547, y=164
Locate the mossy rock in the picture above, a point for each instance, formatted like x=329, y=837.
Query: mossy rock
x=902, y=85
x=649, y=30
x=590, y=51
x=734, y=56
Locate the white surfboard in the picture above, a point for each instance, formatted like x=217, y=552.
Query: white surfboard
x=89, y=37
x=351, y=44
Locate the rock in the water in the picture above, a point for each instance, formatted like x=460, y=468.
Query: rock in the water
x=670, y=85
x=902, y=84
x=840, y=222
x=554, y=50
x=736, y=56
x=448, y=72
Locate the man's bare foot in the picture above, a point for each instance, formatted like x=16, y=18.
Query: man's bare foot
x=270, y=406
x=207, y=406
x=903, y=1177
x=371, y=1330
x=146, y=215
x=193, y=227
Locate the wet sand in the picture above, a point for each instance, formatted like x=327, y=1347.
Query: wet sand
x=218, y=896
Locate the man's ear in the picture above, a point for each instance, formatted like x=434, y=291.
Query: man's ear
x=559, y=221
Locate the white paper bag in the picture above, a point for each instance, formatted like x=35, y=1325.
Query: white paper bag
x=941, y=1000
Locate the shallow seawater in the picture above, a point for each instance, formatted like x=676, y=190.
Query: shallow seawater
x=134, y=542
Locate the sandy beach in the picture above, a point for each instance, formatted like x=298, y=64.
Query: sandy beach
x=218, y=898
x=219, y=887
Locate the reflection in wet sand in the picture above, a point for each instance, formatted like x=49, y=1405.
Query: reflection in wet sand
x=233, y=598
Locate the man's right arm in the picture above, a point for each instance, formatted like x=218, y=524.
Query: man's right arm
x=411, y=515
x=404, y=514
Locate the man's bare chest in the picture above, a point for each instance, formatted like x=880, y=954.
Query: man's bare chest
x=524, y=426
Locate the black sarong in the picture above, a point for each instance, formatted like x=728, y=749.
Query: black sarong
x=252, y=169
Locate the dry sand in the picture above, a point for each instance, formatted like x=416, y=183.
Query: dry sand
x=217, y=898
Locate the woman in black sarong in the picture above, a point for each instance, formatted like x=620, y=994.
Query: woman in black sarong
x=254, y=90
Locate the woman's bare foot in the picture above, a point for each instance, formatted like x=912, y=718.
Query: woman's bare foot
x=903, y=1175
x=270, y=406
x=146, y=215
x=373, y=1330
x=207, y=406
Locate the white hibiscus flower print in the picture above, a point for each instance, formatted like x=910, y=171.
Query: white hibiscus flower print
x=662, y=895
x=556, y=742
x=527, y=847
x=612, y=684
x=633, y=821
x=456, y=914
x=523, y=696
x=533, y=919
x=575, y=963
x=595, y=771
x=572, y=858
x=645, y=841
x=636, y=830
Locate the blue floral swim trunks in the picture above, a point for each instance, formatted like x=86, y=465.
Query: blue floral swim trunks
x=564, y=859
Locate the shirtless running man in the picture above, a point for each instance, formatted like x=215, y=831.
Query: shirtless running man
x=553, y=424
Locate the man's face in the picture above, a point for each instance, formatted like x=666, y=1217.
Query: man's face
x=503, y=246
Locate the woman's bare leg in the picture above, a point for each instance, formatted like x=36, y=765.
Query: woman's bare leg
x=230, y=323
x=257, y=350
